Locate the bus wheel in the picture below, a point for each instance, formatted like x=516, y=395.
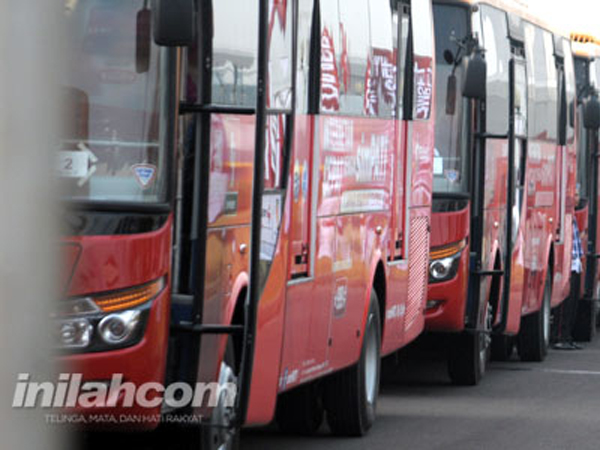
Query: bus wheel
x=502, y=347
x=300, y=411
x=351, y=395
x=224, y=434
x=585, y=323
x=534, y=337
x=470, y=353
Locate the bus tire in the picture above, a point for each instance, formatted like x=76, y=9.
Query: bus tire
x=224, y=437
x=469, y=354
x=584, y=329
x=503, y=347
x=300, y=411
x=534, y=337
x=351, y=394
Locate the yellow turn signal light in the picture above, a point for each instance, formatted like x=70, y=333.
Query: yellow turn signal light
x=130, y=298
x=447, y=250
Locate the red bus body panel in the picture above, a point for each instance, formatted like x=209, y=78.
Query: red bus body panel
x=449, y=315
x=108, y=263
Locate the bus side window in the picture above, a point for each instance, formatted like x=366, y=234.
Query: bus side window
x=477, y=26
x=422, y=70
x=353, y=56
x=401, y=30
x=380, y=89
x=304, y=55
x=495, y=31
x=330, y=57
x=235, y=46
x=570, y=91
x=543, y=94
x=279, y=90
x=280, y=55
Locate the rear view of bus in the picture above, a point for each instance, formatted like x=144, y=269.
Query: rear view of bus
x=503, y=184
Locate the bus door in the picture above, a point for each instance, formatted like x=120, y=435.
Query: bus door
x=516, y=209
x=308, y=294
x=494, y=185
x=564, y=192
x=236, y=123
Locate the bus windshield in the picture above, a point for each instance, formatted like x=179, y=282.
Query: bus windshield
x=110, y=149
x=450, y=154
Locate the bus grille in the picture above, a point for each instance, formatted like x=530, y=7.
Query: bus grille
x=417, y=268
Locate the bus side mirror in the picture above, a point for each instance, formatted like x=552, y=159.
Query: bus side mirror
x=173, y=22
x=474, y=86
x=591, y=113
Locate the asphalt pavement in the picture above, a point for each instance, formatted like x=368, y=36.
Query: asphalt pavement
x=546, y=406
x=549, y=405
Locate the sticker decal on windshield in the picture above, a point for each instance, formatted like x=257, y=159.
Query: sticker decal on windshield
x=453, y=176
x=77, y=164
x=144, y=174
x=73, y=164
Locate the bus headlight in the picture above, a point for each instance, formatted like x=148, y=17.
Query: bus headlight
x=105, y=322
x=444, y=262
x=117, y=328
x=75, y=333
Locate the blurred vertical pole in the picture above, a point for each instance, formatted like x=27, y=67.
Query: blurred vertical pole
x=29, y=112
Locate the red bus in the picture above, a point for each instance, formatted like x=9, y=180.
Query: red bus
x=504, y=185
x=586, y=51
x=252, y=210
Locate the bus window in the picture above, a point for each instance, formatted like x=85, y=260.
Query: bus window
x=353, y=56
x=520, y=101
x=330, y=51
x=280, y=56
x=234, y=53
x=582, y=76
x=111, y=150
x=380, y=95
x=595, y=73
x=570, y=90
x=451, y=142
x=477, y=27
x=422, y=17
x=495, y=31
x=401, y=29
x=542, y=83
x=303, y=68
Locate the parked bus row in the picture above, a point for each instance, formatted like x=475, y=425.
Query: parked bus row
x=275, y=194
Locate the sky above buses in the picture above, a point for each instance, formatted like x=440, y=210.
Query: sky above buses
x=569, y=15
